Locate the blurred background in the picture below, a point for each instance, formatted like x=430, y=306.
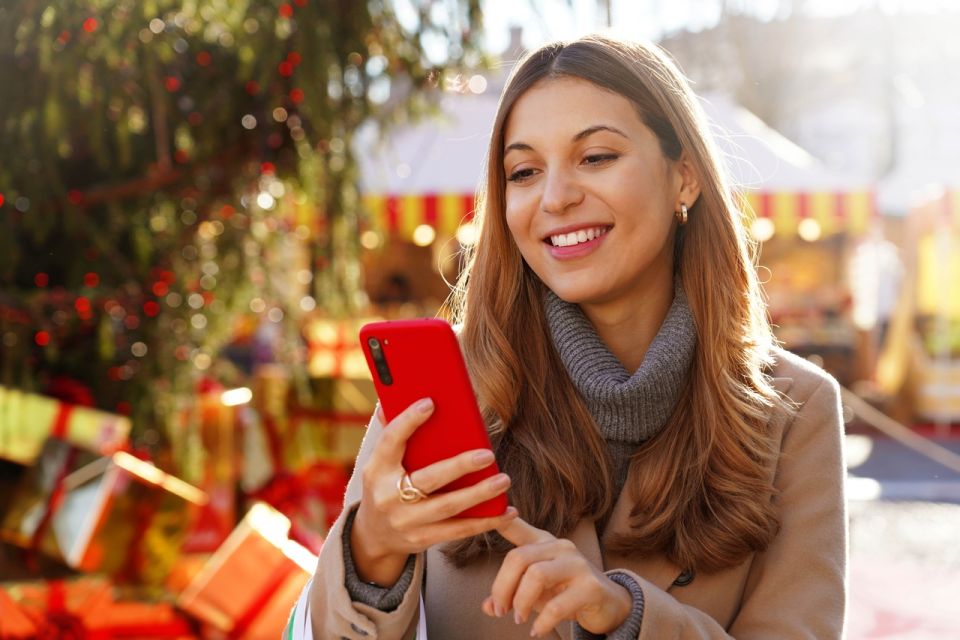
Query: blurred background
x=201, y=202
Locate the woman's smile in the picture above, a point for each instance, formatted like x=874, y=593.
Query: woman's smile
x=590, y=196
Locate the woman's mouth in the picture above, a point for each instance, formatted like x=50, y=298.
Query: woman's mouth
x=574, y=238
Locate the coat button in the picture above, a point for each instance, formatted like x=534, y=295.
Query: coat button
x=684, y=579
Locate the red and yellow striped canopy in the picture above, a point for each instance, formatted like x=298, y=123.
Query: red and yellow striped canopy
x=836, y=212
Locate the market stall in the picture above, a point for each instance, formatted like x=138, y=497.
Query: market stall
x=920, y=363
x=811, y=223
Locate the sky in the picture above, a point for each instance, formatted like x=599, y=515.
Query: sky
x=545, y=20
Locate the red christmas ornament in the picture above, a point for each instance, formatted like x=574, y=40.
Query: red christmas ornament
x=1, y=199
x=300, y=3
x=160, y=289
x=74, y=196
x=204, y=58
x=82, y=304
x=41, y=279
x=294, y=58
x=171, y=83
x=151, y=308
x=285, y=69
x=123, y=408
x=286, y=10
x=64, y=37
x=90, y=25
x=91, y=279
x=227, y=211
x=168, y=276
x=42, y=338
x=267, y=167
x=252, y=87
x=296, y=96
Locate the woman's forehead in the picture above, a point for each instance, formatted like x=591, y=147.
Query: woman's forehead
x=567, y=105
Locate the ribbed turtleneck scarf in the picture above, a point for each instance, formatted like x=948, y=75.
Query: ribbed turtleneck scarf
x=628, y=408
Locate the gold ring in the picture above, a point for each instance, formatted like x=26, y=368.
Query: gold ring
x=408, y=492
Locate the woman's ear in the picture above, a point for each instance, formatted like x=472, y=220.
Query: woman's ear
x=689, y=182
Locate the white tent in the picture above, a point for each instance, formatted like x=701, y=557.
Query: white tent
x=427, y=173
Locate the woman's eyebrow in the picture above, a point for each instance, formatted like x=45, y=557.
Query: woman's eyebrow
x=589, y=131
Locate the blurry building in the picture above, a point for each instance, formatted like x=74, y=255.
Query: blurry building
x=868, y=93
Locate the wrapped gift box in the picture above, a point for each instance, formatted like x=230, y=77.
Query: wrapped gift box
x=117, y=514
x=86, y=608
x=28, y=419
x=248, y=586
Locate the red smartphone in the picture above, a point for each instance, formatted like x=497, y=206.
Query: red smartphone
x=414, y=359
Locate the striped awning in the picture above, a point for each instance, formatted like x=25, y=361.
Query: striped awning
x=836, y=212
x=851, y=212
x=399, y=215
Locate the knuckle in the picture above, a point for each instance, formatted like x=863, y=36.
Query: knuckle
x=566, y=545
x=537, y=575
x=417, y=538
x=553, y=610
x=514, y=556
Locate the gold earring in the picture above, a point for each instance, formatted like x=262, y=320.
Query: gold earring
x=682, y=215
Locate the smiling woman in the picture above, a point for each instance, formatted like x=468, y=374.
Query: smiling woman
x=672, y=473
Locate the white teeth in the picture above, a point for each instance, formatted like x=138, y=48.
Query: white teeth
x=576, y=237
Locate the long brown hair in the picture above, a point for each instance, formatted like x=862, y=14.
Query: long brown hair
x=702, y=488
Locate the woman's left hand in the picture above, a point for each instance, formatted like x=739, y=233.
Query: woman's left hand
x=550, y=576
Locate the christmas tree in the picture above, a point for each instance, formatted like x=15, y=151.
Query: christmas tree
x=160, y=155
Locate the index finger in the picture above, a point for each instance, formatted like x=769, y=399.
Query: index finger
x=520, y=532
x=393, y=442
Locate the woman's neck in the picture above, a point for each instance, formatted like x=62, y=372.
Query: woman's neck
x=627, y=327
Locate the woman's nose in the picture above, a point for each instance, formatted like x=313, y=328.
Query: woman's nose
x=560, y=192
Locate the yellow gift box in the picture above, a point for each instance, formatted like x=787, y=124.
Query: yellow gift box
x=28, y=419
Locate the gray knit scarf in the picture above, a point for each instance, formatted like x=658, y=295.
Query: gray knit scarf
x=628, y=408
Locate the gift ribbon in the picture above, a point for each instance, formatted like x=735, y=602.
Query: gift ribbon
x=53, y=504
x=136, y=559
x=274, y=442
x=61, y=422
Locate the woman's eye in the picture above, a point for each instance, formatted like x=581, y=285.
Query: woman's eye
x=600, y=158
x=520, y=175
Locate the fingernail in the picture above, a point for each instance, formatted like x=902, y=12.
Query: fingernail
x=483, y=457
x=425, y=405
x=497, y=610
x=534, y=634
x=500, y=481
x=516, y=617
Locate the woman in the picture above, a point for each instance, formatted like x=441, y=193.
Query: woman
x=672, y=473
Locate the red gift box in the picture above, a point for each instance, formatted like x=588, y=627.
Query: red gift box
x=246, y=588
x=86, y=608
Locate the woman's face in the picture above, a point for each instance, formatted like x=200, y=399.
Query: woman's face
x=590, y=197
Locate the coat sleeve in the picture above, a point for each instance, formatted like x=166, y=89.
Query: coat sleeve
x=796, y=588
x=333, y=613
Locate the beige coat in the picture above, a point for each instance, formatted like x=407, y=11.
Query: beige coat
x=794, y=589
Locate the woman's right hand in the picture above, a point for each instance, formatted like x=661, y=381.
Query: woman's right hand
x=386, y=531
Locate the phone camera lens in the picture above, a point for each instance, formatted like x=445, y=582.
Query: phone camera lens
x=374, y=344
